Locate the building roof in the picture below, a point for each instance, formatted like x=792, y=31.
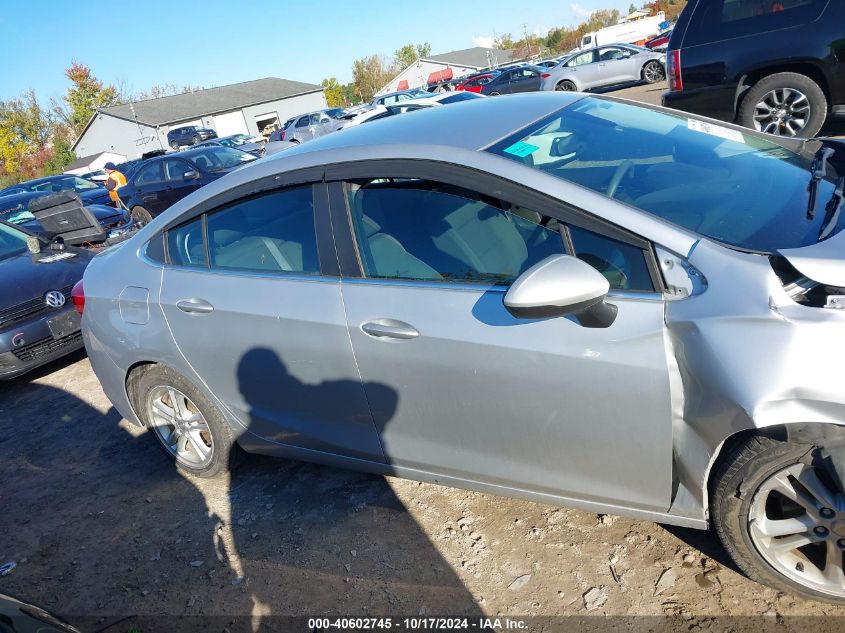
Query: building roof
x=193, y=105
x=475, y=57
x=84, y=161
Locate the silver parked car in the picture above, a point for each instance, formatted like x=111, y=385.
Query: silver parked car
x=606, y=66
x=566, y=298
x=306, y=127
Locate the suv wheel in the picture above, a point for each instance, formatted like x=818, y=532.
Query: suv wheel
x=174, y=144
x=784, y=104
x=195, y=140
x=653, y=72
x=185, y=423
x=566, y=86
x=779, y=510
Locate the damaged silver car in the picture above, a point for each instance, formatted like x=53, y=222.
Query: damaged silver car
x=571, y=299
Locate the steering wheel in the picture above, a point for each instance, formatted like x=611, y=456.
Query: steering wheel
x=624, y=167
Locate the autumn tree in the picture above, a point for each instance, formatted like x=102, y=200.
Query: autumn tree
x=85, y=95
x=369, y=75
x=408, y=54
x=335, y=97
x=25, y=129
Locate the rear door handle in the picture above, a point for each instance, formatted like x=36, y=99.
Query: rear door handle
x=388, y=328
x=195, y=306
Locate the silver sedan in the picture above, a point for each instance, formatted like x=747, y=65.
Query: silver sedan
x=606, y=66
x=566, y=298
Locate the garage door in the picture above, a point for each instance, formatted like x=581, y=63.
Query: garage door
x=230, y=123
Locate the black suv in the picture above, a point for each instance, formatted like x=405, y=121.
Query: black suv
x=777, y=66
x=189, y=135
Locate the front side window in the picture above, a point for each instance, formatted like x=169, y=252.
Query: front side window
x=622, y=264
x=271, y=232
x=415, y=229
x=612, y=53
x=304, y=121
x=149, y=174
x=735, y=187
x=175, y=170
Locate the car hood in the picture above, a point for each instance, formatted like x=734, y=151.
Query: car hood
x=824, y=262
x=22, y=278
x=95, y=196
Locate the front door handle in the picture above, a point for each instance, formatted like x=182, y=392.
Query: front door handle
x=388, y=328
x=195, y=306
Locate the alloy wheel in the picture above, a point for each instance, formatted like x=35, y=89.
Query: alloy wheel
x=653, y=72
x=783, y=112
x=180, y=426
x=797, y=523
x=565, y=86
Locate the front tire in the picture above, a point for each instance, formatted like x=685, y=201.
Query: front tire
x=784, y=104
x=185, y=423
x=653, y=72
x=775, y=508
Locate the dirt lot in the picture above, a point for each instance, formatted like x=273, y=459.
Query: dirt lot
x=102, y=526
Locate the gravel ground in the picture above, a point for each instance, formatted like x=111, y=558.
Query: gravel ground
x=102, y=526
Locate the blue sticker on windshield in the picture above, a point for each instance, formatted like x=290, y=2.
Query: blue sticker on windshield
x=521, y=149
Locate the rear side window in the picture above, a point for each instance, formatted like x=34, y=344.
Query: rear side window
x=717, y=20
x=303, y=122
x=271, y=232
x=186, y=246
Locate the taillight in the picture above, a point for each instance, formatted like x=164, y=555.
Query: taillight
x=77, y=295
x=282, y=135
x=673, y=63
x=545, y=75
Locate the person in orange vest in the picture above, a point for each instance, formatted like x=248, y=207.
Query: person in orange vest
x=114, y=182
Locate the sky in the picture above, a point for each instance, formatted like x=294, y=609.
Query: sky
x=218, y=42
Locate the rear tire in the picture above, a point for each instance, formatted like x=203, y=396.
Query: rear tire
x=750, y=492
x=216, y=434
x=495, y=94
x=174, y=145
x=566, y=86
x=141, y=216
x=195, y=140
x=798, y=98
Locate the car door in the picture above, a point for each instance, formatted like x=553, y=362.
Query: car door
x=255, y=308
x=150, y=188
x=498, y=85
x=177, y=186
x=525, y=80
x=302, y=129
x=545, y=405
x=582, y=69
x=613, y=65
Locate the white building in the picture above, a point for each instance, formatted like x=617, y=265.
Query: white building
x=244, y=108
x=448, y=66
x=85, y=164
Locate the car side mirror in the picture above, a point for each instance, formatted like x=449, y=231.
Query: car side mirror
x=191, y=175
x=562, y=285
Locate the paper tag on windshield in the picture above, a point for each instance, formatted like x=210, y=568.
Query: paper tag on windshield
x=521, y=149
x=715, y=130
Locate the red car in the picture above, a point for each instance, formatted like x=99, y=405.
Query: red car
x=661, y=42
x=476, y=82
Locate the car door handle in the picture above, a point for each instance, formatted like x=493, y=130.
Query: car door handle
x=388, y=328
x=195, y=306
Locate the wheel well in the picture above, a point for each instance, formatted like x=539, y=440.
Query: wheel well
x=132, y=377
x=813, y=433
x=809, y=70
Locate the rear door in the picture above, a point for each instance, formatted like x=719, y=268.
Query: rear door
x=544, y=405
x=253, y=300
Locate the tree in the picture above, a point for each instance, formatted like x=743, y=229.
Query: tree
x=503, y=42
x=335, y=95
x=408, y=54
x=85, y=95
x=632, y=8
x=61, y=155
x=25, y=129
x=369, y=75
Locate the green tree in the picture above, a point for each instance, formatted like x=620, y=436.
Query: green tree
x=61, y=155
x=25, y=129
x=632, y=8
x=334, y=91
x=503, y=42
x=85, y=95
x=408, y=54
x=369, y=75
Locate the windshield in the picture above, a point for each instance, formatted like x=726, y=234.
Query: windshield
x=734, y=187
x=12, y=242
x=220, y=158
x=62, y=184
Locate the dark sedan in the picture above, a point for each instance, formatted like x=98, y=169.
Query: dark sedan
x=14, y=209
x=514, y=80
x=165, y=180
x=38, y=322
x=89, y=192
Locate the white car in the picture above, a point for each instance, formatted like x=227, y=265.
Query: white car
x=409, y=105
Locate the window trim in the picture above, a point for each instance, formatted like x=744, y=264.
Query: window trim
x=472, y=180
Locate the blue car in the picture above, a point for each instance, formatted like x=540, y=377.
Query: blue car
x=89, y=192
x=161, y=182
x=38, y=322
x=14, y=209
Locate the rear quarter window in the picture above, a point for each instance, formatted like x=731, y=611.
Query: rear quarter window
x=717, y=20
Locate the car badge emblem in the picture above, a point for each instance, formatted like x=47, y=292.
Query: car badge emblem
x=54, y=299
